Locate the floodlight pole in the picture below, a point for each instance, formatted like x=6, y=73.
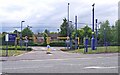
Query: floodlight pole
x=21, y=34
x=93, y=39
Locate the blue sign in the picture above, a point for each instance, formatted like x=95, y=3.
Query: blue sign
x=12, y=37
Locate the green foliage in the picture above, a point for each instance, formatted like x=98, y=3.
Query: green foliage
x=14, y=48
x=111, y=33
x=83, y=32
x=53, y=33
x=110, y=49
x=27, y=32
x=87, y=31
x=45, y=35
x=11, y=52
x=117, y=27
x=63, y=28
x=47, y=31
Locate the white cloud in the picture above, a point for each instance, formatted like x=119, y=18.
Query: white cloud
x=53, y=11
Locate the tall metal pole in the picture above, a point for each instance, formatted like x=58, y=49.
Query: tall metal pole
x=68, y=21
x=96, y=33
x=68, y=26
x=76, y=32
x=21, y=34
x=105, y=39
x=93, y=39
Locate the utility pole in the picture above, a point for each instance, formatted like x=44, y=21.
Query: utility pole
x=76, y=33
x=68, y=21
x=96, y=33
x=68, y=26
x=93, y=39
x=21, y=34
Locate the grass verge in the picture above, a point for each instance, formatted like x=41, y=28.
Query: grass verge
x=11, y=52
x=109, y=49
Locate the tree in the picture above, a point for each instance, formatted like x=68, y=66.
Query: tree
x=64, y=29
x=47, y=31
x=15, y=32
x=80, y=34
x=105, y=31
x=27, y=32
x=117, y=31
x=45, y=35
x=87, y=31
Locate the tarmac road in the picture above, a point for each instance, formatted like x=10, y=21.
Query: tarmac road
x=38, y=61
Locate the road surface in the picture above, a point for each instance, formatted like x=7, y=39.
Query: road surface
x=38, y=61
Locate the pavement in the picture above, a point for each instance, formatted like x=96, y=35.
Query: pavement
x=37, y=61
x=39, y=53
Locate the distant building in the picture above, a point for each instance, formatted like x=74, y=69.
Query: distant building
x=38, y=38
x=53, y=36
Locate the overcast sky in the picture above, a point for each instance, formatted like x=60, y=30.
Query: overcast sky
x=48, y=14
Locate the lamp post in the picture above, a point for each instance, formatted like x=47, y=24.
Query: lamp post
x=68, y=25
x=58, y=34
x=58, y=31
x=70, y=34
x=76, y=33
x=68, y=21
x=96, y=33
x=93, y=39
x=21, y=34
x=105, y=41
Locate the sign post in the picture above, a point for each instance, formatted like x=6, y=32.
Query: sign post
x=26, y=42
x=11, y=38
x=7, y=39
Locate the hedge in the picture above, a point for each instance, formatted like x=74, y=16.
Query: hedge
x=28, y=49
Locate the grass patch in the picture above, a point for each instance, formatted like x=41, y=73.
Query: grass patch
x=11, y=52
x=109, y=49
x=15, y=48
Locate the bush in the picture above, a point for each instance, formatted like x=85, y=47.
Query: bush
x=60, y=44
x=28, y=49
x=31, y=43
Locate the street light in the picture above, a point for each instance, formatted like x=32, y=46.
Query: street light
x=68, y=21
x=21, y=34
x=58, y=31
x=93, y=39
x=105, y=42
x=76, y=42
x=68, y=24
x=96, y=33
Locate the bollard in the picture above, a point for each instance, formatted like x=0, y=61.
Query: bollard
x=48, y=49
x=86, y=45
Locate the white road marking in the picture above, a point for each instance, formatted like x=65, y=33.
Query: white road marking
x=50, y=54
x=43, y=48
x=25, y=53
x=99, y=57
x=43, y=60
x=73, y=64
x=85, y=58
x=21, y=68
x=28, y=67
x=98, y=67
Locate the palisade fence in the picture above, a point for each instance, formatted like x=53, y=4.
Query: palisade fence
x=104, y=41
